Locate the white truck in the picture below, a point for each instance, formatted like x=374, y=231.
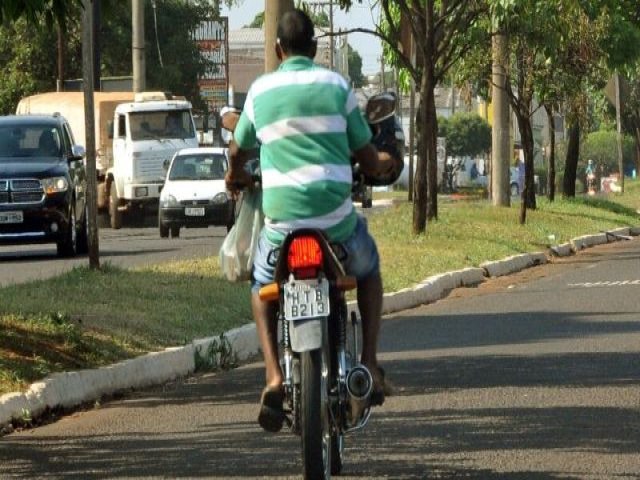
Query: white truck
x=136, y=137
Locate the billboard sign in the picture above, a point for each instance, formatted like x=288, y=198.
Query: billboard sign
x=212, y=38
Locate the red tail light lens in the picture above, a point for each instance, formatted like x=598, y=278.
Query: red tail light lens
x=304, y=252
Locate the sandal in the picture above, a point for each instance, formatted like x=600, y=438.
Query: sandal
x=381, y=388
x=271, y=416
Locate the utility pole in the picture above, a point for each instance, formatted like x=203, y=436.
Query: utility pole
x=60, y=60
x=137, y=45
x=273, y=11
x=500, y=192
x=345, y=58
x=97, y=20
x=90, y=132
x=331, y=42
x=322, y=4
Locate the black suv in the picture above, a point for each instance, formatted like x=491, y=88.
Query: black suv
x=43, y=184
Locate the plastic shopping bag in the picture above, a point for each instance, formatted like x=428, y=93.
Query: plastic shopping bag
x=239, y=246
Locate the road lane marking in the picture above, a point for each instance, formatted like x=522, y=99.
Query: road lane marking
x=605, y=283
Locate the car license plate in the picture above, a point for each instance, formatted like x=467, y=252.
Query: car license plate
x=194, y=211
x=11, y=217
x=306, y=299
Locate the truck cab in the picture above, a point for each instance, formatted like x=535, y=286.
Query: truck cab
x=146, y=134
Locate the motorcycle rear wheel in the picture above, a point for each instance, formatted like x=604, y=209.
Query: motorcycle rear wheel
x=317, y=441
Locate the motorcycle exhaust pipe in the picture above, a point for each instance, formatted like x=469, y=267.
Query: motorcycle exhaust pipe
x=359, y=387
x=359, y=383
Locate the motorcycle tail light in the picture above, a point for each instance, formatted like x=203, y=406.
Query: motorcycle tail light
x=305, y=255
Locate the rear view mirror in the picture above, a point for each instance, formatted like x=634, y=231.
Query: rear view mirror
x=110, y=129
x=77, y=152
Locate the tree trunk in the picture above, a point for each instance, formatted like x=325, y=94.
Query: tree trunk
x=430, y=120
x=528, y=190
x=571, y=164
x=551, y=173
x=420, y=180
x=412, y=136
x=637, y=150
x=431, y=137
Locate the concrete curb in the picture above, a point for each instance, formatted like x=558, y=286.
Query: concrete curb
x=69, y=389
x=513, y=264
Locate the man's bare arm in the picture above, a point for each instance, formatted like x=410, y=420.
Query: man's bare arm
x=372, y=162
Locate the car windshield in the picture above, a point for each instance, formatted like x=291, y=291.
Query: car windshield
x=161, y=125
x=42, y=142
x=202, y=166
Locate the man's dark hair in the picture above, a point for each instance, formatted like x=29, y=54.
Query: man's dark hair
x=296, y=34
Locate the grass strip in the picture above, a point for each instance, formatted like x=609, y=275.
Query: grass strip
x=87, y=318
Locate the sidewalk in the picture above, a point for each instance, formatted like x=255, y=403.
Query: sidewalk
x=70, y=389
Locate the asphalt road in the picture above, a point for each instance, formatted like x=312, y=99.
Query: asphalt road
x=126, y=247
x=532, y=376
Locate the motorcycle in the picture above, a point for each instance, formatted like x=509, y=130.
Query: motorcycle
x=326, y=389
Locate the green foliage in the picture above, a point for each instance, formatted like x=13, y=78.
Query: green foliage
x=602, y=148
x=218, y=356
x=355, y=68
x=28, y=51
x=467, y=134
x=181, y=60
x=257, y=21
x=36, y=11
x=319, y=18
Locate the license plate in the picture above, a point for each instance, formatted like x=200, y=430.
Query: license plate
x=306, y=299
x=194, y=211
x=11, y=217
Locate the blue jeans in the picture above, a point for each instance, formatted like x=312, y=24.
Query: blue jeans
x=361, y=260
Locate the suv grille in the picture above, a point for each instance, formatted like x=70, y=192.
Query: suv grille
x=25, y=184
x=21, y=191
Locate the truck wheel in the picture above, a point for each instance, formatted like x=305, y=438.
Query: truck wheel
x=164, y=230
x=175, y=232
x=114, y=214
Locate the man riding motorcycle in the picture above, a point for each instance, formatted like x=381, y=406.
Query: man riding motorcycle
x=308, y=123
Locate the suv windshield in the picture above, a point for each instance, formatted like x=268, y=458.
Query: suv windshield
x=161, y=125
x=30, y=141
x=209, y=166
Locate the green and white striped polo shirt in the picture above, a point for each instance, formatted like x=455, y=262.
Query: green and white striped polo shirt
x=308, y=121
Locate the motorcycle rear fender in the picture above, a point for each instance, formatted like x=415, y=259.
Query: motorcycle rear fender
x=306, y=335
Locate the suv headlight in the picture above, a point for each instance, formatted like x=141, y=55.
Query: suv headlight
x=221, y=197
x=55, y=185
x=169, y=201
